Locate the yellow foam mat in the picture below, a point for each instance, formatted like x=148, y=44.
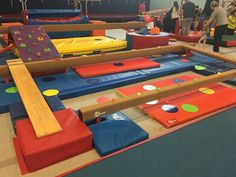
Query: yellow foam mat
x=88, y=45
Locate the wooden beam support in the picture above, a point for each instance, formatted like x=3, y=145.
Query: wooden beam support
x=97, y=110
x=209, y=53
x=50, y=65
x=40, y=115
x=84, y=27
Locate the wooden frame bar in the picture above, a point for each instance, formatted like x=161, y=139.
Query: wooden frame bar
x=98, y=110
x=50, y=65
x=83, y=27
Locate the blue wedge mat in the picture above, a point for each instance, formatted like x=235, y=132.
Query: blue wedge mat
x=71, y=85
x=214, y=68
x=116, y=132
x=204, y=149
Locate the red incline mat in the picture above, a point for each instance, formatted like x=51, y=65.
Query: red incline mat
x=110, y=68
x=184, y=107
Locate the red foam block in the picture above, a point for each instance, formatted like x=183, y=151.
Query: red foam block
x=37, y=153
x=222, y=97
x=121, y=66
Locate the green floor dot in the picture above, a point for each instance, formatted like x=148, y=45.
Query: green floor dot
x=190, y=108
x=200, y=68
x=11, y=90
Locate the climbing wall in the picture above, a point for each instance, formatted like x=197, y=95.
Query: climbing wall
x=33, y=43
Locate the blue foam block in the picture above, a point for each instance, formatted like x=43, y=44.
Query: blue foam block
x=214, y=68
x=116, y=132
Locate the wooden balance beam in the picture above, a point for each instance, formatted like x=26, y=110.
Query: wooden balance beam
x=40, y=115
x=97, y=110
x=83, y=27
x=50, y=65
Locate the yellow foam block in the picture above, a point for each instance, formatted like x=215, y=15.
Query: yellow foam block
x=88, y=45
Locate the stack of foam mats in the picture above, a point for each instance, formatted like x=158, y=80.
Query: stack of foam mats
x=181, y=108
x=88, y=45
x=214, y=68
x=58, y=16
x=70, y=84
x=205, y=148
x=227, y=40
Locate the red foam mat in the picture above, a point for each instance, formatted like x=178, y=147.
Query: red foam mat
x=120, y=66
x=35, y=153
x=184, y=107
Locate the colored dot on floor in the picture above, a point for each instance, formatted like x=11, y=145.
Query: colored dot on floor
x=11, y=90
x=103, y=99
x=169, y=108
x=51, y=92
x=207, y=91
x=152, y=102
x=149, y=87
x=184, y=60
x=200, y=68
x=190, y=108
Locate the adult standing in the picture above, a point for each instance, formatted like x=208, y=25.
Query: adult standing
x=174, y=15
x=188, y=9
x=218, y=15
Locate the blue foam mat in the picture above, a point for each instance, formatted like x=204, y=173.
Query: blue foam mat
x=71, y=85
x=116, y=132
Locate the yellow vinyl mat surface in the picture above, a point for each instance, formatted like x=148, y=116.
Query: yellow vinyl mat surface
x=88, y=45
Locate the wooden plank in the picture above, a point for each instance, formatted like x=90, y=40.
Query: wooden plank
x=209, y=53
x=97, y=110
x=51, y=65
x=40, y=115
x=84, y=27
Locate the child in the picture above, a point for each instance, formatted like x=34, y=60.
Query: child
x=232, y=23
x=198, y=12
x=205, y=32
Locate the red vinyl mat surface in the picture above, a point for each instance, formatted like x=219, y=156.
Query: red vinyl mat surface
x=115, y=67
x=184, y=107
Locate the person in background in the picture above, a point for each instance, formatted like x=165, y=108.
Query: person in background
x=205, y=32
x=218, y=15
x=206, y=12
x=232, y=23
x=175, y=14
x=231, y=7
x=198, y=12
x=188, y=9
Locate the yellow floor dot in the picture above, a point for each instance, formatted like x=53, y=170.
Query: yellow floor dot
x=51, y=92
x=207, y=91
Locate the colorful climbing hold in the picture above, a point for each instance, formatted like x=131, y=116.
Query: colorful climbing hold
x=169, y=108
x=149, y=87
x=30, y=36
x=23, y=45
x=139, y=94
x=184, y=60
x=29, y=59
x=152, y=102
x=11, y=90
x=47, y=50
x=51, y=92
x=190, y=108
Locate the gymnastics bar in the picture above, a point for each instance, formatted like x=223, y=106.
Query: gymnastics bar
x=50, y=65
x=40, y=115
x=97, y=110
x=83, y=27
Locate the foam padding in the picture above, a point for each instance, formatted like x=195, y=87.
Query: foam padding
x=184, y=107
x=37, y=153
x=139, y=41
x=227, y=40
x=190, y=38
x=214, y=68
x=116, y=132
x=117, y=67
x=33, y=43
x=88, y=45
x=206, y=148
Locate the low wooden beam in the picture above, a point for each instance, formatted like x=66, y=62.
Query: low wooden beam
x=50, y=65
x=98, y=110
x=40, y=115
x=84, y=27
x=210, y=54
